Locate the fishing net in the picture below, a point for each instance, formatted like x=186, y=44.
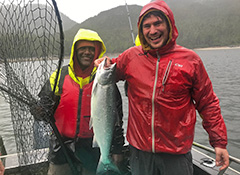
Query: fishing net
x=31, y=49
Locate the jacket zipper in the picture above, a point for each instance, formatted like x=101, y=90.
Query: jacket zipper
x=79, y=113
x=165, y=77
x=153, y=97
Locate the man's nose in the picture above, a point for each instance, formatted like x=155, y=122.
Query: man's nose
x=152, y=30
x=89, y=50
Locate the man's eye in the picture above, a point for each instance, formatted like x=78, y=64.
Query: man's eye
x=146, y=26
x=92, y=49
x=83, y=49
x=158, y=23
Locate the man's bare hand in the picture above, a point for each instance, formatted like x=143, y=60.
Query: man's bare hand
x=222, y=158
x=1, y=168
x=99, y=60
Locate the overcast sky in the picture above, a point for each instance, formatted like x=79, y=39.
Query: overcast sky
x=80, y=10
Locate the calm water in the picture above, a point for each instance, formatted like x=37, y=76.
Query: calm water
x=223, y=68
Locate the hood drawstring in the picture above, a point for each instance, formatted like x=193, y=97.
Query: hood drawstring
x=143, y=54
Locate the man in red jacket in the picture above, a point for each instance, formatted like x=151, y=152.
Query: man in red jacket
x=166, y=84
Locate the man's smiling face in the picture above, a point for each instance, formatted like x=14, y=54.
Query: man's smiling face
x=155, y=31
x=85, y=51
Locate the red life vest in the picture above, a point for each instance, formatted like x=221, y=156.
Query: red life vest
x=73, y=112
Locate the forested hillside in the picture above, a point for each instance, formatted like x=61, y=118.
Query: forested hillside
x=207, y=23
x=201, y=23
x=112, y=26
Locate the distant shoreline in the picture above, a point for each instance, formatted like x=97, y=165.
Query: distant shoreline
x=218, y=48
x=206, y=48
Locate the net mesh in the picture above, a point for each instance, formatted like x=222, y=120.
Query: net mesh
x=30, y=48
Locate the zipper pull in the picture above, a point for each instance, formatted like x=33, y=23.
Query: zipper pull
x=165, y=77
x=158, y=56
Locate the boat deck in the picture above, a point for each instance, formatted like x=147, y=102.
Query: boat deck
x=203, y=165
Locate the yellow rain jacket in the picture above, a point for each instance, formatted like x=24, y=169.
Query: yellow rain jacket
x=74, y=88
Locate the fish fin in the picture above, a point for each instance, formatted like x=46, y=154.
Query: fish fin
x=90, y=123
x=94, y=143
x=109, y=168
x=93, y=90
x=94, y=87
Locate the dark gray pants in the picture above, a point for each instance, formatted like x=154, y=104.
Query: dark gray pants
x=143, y=163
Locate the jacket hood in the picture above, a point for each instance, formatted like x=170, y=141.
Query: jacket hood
x=100, y=49
x=164, y=8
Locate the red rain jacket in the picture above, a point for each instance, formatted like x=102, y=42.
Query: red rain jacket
x=164, y=93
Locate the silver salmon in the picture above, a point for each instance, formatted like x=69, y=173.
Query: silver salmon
x=103, y=114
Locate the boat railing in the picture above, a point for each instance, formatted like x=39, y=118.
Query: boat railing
x=211, y=150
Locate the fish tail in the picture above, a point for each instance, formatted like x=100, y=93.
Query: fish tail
x=107, y=169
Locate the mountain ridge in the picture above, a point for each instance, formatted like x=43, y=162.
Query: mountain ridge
x=200, y=23
x=214, y=23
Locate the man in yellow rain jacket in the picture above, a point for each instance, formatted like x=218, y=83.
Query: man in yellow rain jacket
x=72, y=106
